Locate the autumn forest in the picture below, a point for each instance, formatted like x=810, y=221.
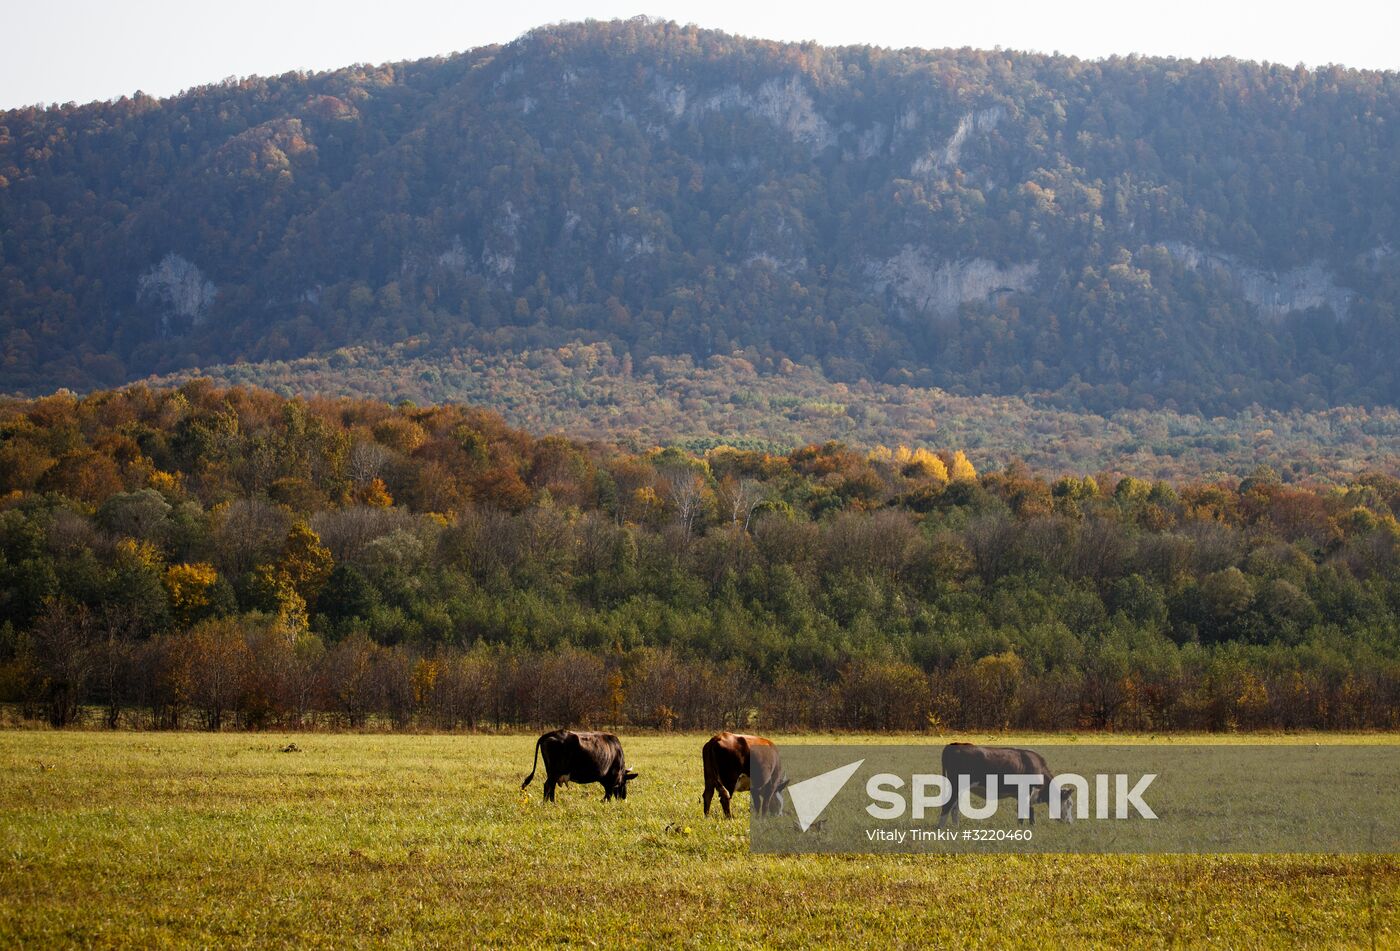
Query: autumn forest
x=209, y=557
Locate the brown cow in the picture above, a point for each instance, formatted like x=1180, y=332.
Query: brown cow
x=972, y=765
x=729, y=760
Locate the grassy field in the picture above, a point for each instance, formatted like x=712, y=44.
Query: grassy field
x=160, y=840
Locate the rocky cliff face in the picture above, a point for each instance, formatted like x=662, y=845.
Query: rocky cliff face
x=1275, y=293
x=502, y=243
x=786, y=103
x=178, y=289
x=939, y=161
x=926, y=284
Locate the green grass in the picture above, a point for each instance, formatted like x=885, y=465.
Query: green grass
x=156, y=840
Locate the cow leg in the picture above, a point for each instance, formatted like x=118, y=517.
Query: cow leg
x=549, y=785
x=724, y=797
x=709, y=795
x=765, y=800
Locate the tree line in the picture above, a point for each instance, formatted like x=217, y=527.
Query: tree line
x=228, y=557
x=251, y=673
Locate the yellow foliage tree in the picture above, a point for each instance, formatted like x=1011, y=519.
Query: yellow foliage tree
x=146, y=553
x=912, y=463
x=190, y=587
x=961, y=470
x=166, y=483
x=305, y=563
x=425, y=677
x=647, y=502
x=286, y=601
x=376, y=494
x=925, y=465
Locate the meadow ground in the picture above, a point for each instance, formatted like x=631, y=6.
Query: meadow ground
x=173, y=840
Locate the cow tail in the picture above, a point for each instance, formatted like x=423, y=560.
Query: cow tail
x=536, y=764
x=707, y=758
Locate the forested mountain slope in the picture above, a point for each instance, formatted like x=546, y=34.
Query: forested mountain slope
x=1132, y=233
x=587, y=391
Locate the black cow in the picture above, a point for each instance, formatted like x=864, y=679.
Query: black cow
x=974, y=764
x=571, y=757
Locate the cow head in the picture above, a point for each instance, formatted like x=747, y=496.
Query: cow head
x=775, y=801
x=1043, y=794
x=768, y=799
x=621, y=790
x=1066, y=804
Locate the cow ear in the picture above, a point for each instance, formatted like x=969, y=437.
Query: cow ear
x=630, y=774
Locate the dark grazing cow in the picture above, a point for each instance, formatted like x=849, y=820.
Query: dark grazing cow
x=977, y=763
x=738, y=761
x=571, y=757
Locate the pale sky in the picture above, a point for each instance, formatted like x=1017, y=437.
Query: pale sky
x=81, y=50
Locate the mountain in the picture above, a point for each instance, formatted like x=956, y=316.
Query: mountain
x=1127, y=234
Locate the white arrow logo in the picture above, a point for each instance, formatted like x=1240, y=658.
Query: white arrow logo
x=811, y=796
